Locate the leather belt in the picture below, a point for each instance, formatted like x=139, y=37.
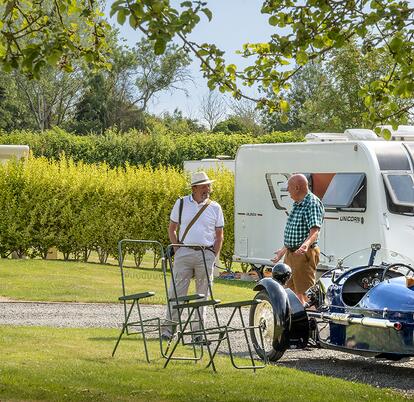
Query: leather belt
x=198, y=248
x=293, y=249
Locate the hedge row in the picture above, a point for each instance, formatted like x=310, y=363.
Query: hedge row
x=137, y=148
x=78, y=207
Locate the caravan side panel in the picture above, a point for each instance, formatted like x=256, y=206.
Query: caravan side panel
x=262, y=201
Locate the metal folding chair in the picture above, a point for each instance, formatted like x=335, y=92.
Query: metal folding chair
x=231, y=328
x=141, y=326
x=210, y=334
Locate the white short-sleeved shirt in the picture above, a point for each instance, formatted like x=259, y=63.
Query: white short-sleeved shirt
x=203, y=231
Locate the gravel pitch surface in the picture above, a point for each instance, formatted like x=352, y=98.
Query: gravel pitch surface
x=380, y=373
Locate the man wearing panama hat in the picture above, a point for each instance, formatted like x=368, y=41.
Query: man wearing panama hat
x=205, y=230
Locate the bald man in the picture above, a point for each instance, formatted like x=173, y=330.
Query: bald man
x=302, y=228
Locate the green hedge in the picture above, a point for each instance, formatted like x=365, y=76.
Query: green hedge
x=78, y=207
x=137, y=148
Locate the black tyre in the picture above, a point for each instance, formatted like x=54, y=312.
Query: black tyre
x=275, y=333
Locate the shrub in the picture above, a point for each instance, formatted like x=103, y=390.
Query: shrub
x=78, y=207
x=137, y=148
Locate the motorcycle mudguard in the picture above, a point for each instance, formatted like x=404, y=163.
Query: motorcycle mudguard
x=299, y=321
x=288, y=311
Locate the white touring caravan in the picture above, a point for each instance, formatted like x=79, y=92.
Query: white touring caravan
x=8, y=152
x=221, y=162
x=365, y=183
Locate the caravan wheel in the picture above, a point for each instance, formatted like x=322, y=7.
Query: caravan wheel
x=275, y=336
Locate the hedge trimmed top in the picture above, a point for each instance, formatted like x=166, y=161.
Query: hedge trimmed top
x=137, y=148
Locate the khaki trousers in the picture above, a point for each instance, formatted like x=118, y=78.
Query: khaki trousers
x=303, y=269
x=188, y=264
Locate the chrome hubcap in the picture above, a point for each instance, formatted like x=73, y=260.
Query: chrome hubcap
x=263, y=318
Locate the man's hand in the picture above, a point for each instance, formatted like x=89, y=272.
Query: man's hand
x=313, y=236
x=302, y=249
x=279, y=254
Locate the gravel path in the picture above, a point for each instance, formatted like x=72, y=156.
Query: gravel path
x=379, y=373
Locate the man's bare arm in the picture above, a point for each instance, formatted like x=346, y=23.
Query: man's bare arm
x=219, y=240
x=172, y=232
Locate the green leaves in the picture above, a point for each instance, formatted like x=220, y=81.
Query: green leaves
x=302, y=57
x=313, y=28
x=116, y=6
x=54, y=56
x=208, y=13
x=273, y=20
x=159, y=46
x=157, y=6
x=79, y=207
x=396, y=44
x=284, y=106
x=121, y=16
x=35, y=34
x=386, y=133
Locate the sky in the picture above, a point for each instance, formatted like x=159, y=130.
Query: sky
x=234, y=23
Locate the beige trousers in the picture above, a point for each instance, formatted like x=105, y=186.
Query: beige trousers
x=188, y=264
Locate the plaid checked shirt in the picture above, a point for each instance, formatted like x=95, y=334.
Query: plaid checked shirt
x=304, y=216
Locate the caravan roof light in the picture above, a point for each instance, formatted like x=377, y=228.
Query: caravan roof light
x=360, y=134
x=352, y=134
x=325, y=137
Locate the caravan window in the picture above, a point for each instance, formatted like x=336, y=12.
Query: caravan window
x=319, y=183
x=346, y=190
x=400, y=187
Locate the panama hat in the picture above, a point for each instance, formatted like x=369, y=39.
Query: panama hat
x=199, y=178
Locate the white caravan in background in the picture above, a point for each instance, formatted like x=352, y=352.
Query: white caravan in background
x=206, y=164
x=8, y=152
x=365, y=183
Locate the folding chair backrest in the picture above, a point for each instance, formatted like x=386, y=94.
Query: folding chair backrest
x=121, y=251
x=131, y=301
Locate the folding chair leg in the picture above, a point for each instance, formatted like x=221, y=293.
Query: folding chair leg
x=163, y=354
x=221, y=338
x=223, y=335
x=180, y=338
x=173, y=349
x=144, y=338
x=196, y=359
x=247, y=339
x=206, y=340
x=243, y=328
x=124, y=328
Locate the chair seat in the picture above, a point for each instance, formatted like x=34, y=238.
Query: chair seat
x=137, y=296
x=239, y=303
x=196, y=296
x=201, y=303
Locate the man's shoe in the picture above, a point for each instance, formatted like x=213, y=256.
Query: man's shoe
x=166, y=337
x=201, y=341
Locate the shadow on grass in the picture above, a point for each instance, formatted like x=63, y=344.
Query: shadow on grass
x=237, y=283
x=368, y=371
x=129, y=338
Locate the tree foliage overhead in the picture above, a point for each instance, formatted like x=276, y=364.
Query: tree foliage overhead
x=85, y=99
x=304, y=31
x=325, y=96
x=120, y=96
x=55, y=32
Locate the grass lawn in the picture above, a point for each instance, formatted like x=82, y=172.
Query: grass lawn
x=54, y=280
x=74, y=364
